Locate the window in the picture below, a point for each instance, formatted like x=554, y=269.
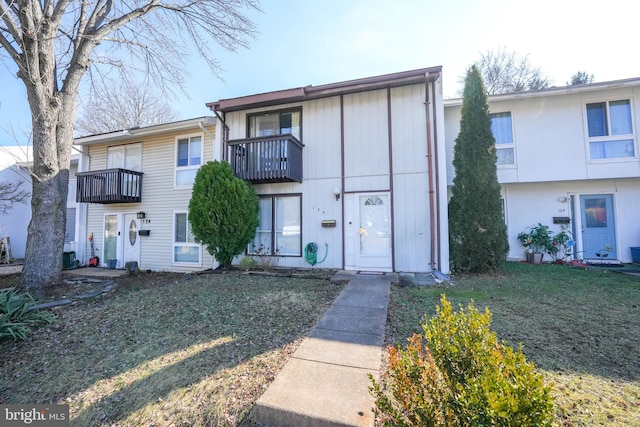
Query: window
x=125, y=157
x=610, y=130
x=185, y=249
x=275, y=123
x=503, y=133
x=279, y=230
x=188, y=160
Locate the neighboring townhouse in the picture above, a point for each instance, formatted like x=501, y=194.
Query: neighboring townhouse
x=133, y=190
x=567, y=157
x=15, y=162
x=349, y=174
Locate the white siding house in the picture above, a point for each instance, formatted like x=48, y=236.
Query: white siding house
x=567, y=152
x=356, y=168
x=134, y=188
x=14, y=167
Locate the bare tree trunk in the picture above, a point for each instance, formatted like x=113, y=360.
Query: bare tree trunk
x=52, y=141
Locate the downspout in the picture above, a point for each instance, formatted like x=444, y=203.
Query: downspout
x=342, y=181
x=432, y=227
x=435, y=149
x=82, y=210
x=205, y=130
x=225, y=136
x=390, y=142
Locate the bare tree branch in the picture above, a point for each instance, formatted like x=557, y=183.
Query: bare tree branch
x=12, y=193
x=505, y=72
x=122, y=105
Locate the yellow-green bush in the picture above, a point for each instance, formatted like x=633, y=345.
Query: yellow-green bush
x=457, y=373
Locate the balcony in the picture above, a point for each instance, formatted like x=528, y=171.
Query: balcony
x=266, y=159
x=109, y=186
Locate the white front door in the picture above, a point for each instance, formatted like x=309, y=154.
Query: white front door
x=131, y=240
x=374, y=216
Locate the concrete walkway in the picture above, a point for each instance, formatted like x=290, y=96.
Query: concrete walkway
x=325, y=382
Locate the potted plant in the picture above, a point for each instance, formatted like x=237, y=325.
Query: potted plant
x=536, y=241
x=561, y=246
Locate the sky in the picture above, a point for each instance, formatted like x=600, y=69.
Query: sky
x=314, y=42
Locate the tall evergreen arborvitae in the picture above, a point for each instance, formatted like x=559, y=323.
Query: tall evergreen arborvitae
x=477, y=231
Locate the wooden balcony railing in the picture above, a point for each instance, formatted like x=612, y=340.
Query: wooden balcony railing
x=266, y=159
x=109, y=186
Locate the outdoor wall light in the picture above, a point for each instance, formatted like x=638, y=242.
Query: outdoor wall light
x=336, y=192
x=563, y=199
x=141, y=215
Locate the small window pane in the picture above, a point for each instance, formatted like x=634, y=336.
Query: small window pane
x=620, y=117
x=196, y=151
x=266, y=125
x=611, y=149
x=502, y=128
x=505, y=156
x=115, y=157
x=597, y=119
x=183, y=152
x=185, y=177
x=133, y=158
x=275, y=124
x=596, y=213
x=288, y=225
x=186, y=254
x=133, y=232
x=181, y=227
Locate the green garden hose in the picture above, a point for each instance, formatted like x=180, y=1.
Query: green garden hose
x=311, y=253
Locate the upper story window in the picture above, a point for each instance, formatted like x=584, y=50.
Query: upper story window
x=188, y=159
x=275, y=123
x=502, y=129
x=610, y=130
x=125, y=157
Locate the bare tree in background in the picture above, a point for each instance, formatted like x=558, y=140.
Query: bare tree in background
x=52, y=44
x=122, y=105
x=581, y=78
x=505, y=72
x=12, y=193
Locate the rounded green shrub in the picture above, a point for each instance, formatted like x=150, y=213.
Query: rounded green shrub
x=457, y=373
x=223, y=211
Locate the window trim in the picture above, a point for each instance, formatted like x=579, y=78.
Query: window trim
x=174, y=244
x=274, y=228
x=610, y=138
x=267, y=112
x=512, y=145
x=177, y=168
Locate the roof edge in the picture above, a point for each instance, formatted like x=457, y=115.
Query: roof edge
x=554, y=91
x=325, y=90
x=125, y=134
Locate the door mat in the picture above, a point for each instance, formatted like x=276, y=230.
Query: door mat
x=371, y=273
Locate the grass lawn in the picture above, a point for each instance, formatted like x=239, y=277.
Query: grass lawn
x=184, y=351
x=580, y=327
